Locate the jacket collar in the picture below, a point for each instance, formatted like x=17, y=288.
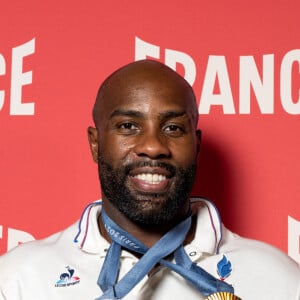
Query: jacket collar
x=208, y=234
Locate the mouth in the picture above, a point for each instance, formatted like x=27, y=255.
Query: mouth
x=150, y=179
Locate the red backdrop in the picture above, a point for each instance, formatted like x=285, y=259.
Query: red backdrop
x=242, y=58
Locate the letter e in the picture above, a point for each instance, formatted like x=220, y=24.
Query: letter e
x=18, y=79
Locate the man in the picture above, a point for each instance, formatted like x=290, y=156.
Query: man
x=146, y=239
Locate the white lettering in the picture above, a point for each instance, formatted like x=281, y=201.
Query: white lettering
x=216, y=69
x=249, y=79
x=2, y=72
x=288, y=104
x=294, y=239
x=263, y=89
x=144, y=50
x=173, y=57
x=18, y=79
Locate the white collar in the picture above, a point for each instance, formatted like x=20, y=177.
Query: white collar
x=208, y=234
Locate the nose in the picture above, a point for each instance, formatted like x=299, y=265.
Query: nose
x=152, y=144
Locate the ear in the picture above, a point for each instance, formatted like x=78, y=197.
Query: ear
x=93, y=141
x=199, y=136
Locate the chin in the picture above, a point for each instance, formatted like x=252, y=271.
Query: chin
x=152, y=212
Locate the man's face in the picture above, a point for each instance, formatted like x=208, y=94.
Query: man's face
x=147, y=148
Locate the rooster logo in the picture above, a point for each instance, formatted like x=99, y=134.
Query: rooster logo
x=67, y=278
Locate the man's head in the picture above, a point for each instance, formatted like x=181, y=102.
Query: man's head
x=146, y=142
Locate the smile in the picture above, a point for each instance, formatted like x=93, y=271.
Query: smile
x=151, y=178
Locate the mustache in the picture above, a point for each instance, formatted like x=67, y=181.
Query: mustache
x=152, y=164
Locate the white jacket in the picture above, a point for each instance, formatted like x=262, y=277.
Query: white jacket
x=57, y=268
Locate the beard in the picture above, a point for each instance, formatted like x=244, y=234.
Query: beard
x=146, y=209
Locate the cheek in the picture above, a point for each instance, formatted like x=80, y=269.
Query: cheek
x=114, y=149
x=184, y=153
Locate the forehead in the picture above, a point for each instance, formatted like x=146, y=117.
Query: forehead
x=146, y=90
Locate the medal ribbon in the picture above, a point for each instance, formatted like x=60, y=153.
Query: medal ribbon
x=170, y=243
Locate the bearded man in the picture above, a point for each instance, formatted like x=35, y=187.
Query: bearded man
x=146, y=238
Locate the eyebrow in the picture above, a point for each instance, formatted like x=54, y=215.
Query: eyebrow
x=135, y=113
x=173, y=114
x=129, y=113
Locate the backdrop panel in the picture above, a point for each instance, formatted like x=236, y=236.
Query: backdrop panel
x=242, y=59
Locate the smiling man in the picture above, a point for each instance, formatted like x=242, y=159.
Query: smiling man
x=146, y=145
x=146, y=239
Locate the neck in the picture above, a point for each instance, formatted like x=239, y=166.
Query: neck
x=148, y=235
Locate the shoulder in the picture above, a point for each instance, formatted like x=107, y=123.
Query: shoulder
x=262, y=266
x=254, y=250
x=22, y=258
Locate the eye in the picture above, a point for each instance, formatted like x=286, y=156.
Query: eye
x=128, y=128
x=174, y=130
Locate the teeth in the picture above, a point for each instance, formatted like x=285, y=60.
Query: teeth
x=151, y=178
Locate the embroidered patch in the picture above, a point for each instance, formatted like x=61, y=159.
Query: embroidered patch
x=224, y=268
x=67, y=279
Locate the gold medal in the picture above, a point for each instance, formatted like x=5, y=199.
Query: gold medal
x=222, y=296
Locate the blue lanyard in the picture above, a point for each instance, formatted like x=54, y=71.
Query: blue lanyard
x=170, y=243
